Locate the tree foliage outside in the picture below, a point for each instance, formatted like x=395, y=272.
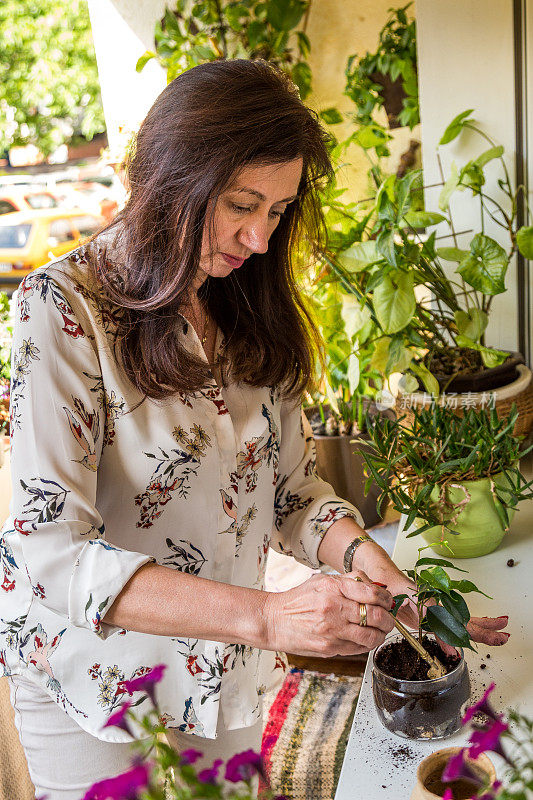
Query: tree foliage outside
x=49, y=88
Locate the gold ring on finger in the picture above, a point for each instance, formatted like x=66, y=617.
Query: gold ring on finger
x=362, y=615
x=357, y=578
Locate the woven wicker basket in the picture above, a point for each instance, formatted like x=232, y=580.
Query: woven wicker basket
x=519, y=392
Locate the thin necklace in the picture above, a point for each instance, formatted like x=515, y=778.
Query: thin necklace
x=204, y=336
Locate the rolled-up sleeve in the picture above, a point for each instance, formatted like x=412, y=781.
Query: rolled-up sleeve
x=58, y=426
x=305, y=505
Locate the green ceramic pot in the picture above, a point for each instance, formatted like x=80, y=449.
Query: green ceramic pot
x=479, y=525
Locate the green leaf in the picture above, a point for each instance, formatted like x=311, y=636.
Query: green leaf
x=465, y=587
x=472, y=323
x=143, y=60
x=442, y=562
x=304, y=44
x=484, y=269
x=436, y=577
x=357, y=257
x=353, y=372
x=457, y=607
x=446, y=627
x=380, y=356
x=456, y=126
x=284, y=15
x=256, y=32
x=452, y=253
x=301, y=75
x=489, y=155
x=489, y=355
x=394, y=301
x=385, y=246
x=354, y=317
x=89, y=602
x=423, y=219
x=331, y=116
x=524, y=240
x=449, y=187
x=370, y=136
x=431, y=384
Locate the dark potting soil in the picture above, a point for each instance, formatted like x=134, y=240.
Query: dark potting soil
x=399, y=660
x=451, y=360
x=461, y=789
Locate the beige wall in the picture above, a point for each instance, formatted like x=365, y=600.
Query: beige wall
x=465, y=58
x=338, y=29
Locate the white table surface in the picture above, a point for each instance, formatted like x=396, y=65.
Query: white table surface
x=378, y=764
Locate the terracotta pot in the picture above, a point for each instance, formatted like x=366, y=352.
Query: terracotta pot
x=428, y=785
x=429, y=709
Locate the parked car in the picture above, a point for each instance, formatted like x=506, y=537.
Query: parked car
x=20, y=198
x=29, y=239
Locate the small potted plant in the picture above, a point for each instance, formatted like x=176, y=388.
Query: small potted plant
x=456, y=478
x=409, y=700
x=468, y=772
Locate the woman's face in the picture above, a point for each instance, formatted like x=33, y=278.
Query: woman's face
x=246, y=214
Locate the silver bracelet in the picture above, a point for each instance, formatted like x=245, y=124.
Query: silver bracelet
x=352, y=547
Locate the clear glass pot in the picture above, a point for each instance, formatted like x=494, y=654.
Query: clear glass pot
x=430, y=709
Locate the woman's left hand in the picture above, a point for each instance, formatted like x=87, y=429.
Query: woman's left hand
x=380, y=568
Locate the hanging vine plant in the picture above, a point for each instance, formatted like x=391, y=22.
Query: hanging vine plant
x=196, y=31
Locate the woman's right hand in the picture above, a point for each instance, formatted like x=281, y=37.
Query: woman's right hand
x=321, y=617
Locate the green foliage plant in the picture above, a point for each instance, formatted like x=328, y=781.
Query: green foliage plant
x=395, y=59
x=441, y=607
x=416, y=465
x=197, y=31
x=49, y=88
x=397, y=261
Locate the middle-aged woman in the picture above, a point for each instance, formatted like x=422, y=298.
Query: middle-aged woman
x=159, y=447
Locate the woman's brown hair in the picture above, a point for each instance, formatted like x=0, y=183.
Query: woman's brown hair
x=207, y=125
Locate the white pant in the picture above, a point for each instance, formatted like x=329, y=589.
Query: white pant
x=64, y=760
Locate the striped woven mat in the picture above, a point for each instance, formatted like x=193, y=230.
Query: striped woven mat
x=306, y=732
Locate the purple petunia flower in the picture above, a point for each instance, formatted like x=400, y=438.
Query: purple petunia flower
x=119, y=720
x=482, y=705
x=243, y=766
x=448, y=794
x=488, y=738
x=146, y=683
x=210, y=775
x=190, y=756
x=457, y=768
x=127, y=786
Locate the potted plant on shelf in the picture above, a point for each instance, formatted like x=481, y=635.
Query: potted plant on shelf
x=409, y=700
x=344, y=405
x=456, y=478
x=432, y=324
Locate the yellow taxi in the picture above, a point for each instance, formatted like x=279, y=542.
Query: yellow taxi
x=30, y=238
x=20, y=198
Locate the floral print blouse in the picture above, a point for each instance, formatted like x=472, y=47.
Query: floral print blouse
x=202, y=483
